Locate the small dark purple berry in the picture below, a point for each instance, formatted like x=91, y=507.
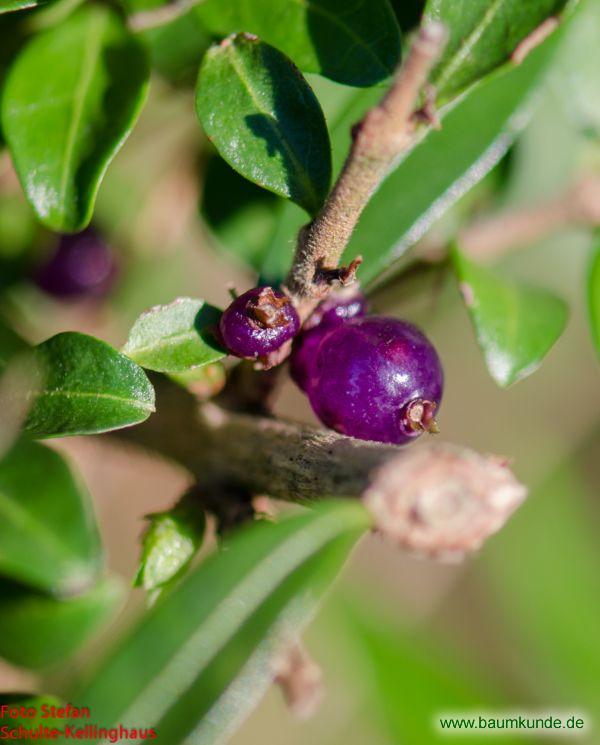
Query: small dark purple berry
x=82, y=265
x=337, y=308
x=258, y=322
x=377, y=378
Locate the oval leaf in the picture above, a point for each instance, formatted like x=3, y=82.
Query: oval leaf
x=37, y=630
x=203, y=634
x=85, y=387
x=357, y=44
x=594, y=296
x=265, y=120
x=170, y=542
x=176, y=338
x=515, y=324
x=483, y=35
x=70, y=100
x=48, y=535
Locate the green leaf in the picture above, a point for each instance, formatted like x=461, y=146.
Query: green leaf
x=204, y=633
x=553, y=538
x=8, y=6
x=42, y=704
x=355, y=43
x=86, y=387
x=594, y=295
x=170, y=542
x=69, y=102
x=37, y=631
x=48, y=535
x=176, y=338
x=515, y=324
x=265, y=120
x=483, y=36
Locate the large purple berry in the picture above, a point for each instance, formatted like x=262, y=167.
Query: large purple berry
x=337, y=308
x=82, y=265
x=258, y=322
x=377, y=378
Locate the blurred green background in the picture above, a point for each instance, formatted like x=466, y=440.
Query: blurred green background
x=400, y=640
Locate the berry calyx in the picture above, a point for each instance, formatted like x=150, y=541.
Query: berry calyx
x=258, y=322
x=82, y=265
x=376, y=378
x=338, y=307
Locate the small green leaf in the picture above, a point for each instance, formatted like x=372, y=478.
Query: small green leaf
x=48, y=535
x=69, y=102
x=37, y=630
x=204, y=633
x=515, y=324
x=483, y=35
x=265, y=120
x=356, y=44
x=170, y=542
x=86, y=387
x=594, y=295
x=176, y=338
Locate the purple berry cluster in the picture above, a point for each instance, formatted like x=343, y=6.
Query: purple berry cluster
x=366, y=376
x=370, y=377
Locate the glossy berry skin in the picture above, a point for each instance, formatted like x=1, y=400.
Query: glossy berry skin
x=81, y=266
x=258, y=322
x=377, y=378
x=337, y=308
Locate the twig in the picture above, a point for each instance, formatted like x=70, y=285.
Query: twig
x=162, y=15
x=535, y=38
x=495, y=235
x=437, y=499
x=378, y=140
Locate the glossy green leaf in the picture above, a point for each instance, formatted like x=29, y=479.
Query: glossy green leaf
x=175, y=338
x=37, y=631
x=553, y=541
x=8, y=6
x=515, y=324
x=177, y=667
x=265, y=120
x=85, y=387
x=69, y=102
x=440, y=168
x=483, y=34
x=48, y=535
x=355, y=43
x=594, y=295
x=169, y=542
x=44, y=707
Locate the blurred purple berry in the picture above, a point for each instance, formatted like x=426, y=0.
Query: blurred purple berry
x=82, y=265
x=377, y=378
x=337, y=308
x=258, y=322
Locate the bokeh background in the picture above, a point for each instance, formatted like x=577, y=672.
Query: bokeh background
x=399, y=640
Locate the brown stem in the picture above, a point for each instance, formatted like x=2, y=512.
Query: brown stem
x=498, y=234
x=385, y=131
x=437, y=499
